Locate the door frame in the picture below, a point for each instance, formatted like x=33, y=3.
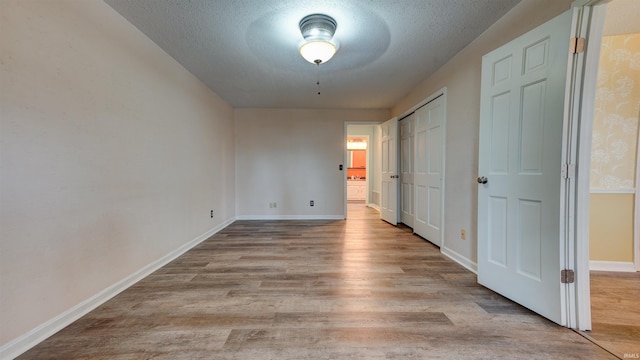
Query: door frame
x=442, y=92
x=593, y=17
x=576, y=295
x=636, y=209
x=591, y=27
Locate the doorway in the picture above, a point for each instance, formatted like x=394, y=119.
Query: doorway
x=357, y=169
x=611, y=232
x=614, y=144
x=361, y=163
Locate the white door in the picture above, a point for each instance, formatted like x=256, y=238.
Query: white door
x=428, y=172
x=520, y=157
x=389, y=176
x=407, y=126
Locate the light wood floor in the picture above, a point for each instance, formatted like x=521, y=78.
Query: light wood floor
x=615, y=312
x=355, y=289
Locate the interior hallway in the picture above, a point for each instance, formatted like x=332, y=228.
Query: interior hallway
x=356, y=289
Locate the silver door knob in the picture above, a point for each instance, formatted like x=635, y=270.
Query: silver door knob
x=482, y=180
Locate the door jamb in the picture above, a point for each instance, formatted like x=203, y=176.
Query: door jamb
x=584, y=82
x=636, y=209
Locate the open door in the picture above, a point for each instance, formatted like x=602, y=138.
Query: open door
x=520, y=168
x=389, y=176
x=407, y=129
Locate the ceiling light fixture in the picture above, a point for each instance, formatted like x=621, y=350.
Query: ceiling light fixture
x=318, y=31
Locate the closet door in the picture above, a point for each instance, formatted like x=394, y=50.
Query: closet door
x=429, y=170
x=407, y=127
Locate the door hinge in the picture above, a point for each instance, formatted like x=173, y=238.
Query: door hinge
x=577, y=45
x=568, y=171
x=567, y=276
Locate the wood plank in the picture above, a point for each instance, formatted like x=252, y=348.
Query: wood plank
x=355, y=289
x=615, y=312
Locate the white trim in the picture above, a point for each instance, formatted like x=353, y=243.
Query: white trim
x=345, y=135
x=568, y=194
x=593, y=19
x=33, y=337
x=580, y=3
x=443, y=180
x=374, y=206
x=620, y=266
x=465, y=262
x=291, y=217
x=612, y=191
x=636, y=209
x=430, y=98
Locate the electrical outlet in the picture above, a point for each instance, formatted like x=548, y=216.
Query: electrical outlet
x=273, y=205
x=311, y=203
x=212, y=214
x=463, y=234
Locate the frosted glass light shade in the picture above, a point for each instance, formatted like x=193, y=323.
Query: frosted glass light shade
x=317, y=51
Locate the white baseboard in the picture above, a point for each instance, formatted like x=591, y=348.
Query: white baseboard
x=291, y=217
x=30, y=339
x=620, y=266
x=467, y=263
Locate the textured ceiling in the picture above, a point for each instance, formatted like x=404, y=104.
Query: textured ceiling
x=247, y=50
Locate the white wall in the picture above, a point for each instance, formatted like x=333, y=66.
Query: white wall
x=461, y=77
x=291, y=156
x=111, y=156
